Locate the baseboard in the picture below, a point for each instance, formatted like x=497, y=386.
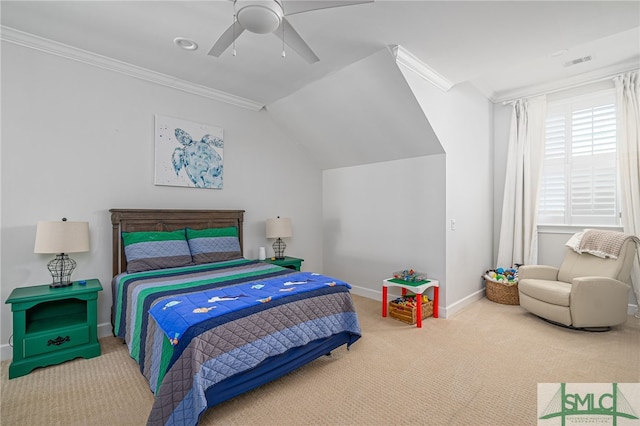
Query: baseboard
x=6, y=352
x=105, y=330
x=453, y=309
x=366, y=292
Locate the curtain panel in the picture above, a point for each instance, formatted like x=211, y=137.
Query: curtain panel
x=628, y=105
x=518, y=242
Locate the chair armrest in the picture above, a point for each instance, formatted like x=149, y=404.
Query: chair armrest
x=539, y=272
x=600, y=284
x=597, y=301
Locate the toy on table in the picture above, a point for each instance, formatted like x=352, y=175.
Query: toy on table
x=409, y=275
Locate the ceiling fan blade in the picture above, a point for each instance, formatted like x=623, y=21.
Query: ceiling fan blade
x=292, y=39
x=291, y=7
x=226, y=39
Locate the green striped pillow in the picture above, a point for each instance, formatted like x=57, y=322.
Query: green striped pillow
x=214, y=244
x=145, y=251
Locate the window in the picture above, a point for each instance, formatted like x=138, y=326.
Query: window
x=580, y=172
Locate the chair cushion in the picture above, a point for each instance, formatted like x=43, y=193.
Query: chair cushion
x=554, y=292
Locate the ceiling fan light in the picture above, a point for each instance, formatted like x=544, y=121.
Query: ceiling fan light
x=259, y=17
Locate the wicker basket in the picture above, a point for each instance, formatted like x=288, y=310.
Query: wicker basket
x=505, y=293
x=409, y=314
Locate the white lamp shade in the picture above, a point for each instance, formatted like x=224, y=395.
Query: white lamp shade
x=62, y=237
x=279, y=227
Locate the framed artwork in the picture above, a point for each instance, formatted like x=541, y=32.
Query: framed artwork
x=188, y=154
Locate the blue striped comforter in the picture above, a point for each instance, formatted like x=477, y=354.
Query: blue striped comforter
x=243, y=320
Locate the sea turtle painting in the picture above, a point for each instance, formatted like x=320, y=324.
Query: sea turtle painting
x=201, y=162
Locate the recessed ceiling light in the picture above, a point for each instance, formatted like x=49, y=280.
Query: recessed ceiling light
x=185, y=43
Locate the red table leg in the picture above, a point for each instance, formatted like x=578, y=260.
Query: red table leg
x=384, y=300
x=419, y=310
x=436, y=291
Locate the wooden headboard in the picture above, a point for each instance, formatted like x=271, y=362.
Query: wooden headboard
x=136, y=220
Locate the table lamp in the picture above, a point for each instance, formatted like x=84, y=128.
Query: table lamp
x=279, y=228
x=61, y=237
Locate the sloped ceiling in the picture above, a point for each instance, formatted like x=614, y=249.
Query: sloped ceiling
x=365, y=113
x=505, y=48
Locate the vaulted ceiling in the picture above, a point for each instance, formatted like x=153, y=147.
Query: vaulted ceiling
x=505, y=48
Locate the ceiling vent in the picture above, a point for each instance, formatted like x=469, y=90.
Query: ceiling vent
x=578, y=61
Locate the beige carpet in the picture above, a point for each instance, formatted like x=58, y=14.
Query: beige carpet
x=480, y=367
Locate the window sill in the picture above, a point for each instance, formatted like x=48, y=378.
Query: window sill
x=572, y=229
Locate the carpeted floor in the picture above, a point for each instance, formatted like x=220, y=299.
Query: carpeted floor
x=480, y=367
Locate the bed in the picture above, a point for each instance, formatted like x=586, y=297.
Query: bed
x=205, y=323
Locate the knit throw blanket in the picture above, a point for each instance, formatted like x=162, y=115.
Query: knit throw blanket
x=600, y=243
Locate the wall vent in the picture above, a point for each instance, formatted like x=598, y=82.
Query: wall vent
x=578, y=61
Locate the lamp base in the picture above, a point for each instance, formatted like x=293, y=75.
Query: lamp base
x=58, y=285
x=61, y=268
x=278, y=249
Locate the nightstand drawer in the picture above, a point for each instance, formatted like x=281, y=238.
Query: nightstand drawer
x=60, y=338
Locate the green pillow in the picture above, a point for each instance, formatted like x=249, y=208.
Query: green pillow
x=214, y=244
x=145, y=251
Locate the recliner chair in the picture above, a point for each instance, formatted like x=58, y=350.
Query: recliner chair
x=586, y=292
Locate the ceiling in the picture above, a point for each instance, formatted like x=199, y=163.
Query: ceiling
x=505, y=48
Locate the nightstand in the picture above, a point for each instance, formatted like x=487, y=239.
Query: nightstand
x=53, y=325
x=287, y=262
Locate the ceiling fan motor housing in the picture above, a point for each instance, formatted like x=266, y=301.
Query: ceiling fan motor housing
x=259, y=16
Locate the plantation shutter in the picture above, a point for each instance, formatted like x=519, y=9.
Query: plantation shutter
x=579, y=182
x=553, y=188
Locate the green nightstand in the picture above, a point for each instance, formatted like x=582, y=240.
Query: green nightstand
x=53, y=325
x=287, y=262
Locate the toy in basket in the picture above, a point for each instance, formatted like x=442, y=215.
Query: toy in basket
x=502, y=286
x=405, y=308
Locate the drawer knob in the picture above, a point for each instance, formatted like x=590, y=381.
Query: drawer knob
x=58, y=341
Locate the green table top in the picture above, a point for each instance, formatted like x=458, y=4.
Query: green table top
x=44, y=292
x=410, y=283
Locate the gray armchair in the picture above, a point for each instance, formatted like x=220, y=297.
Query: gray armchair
x=587, y=291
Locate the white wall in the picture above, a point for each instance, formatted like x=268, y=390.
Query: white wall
x=79, y=140
x=368, y=236
x=462, y=119
x=384, y=217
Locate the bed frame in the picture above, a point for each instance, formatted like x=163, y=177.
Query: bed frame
x=136, y=220
x=132, y=220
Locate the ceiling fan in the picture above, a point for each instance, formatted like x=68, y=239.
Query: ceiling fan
x=269, y=16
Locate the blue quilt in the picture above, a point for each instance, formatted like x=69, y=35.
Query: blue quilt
x=176, y=314
x=253, y=322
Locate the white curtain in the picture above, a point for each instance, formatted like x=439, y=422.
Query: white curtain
x=518, y=230
x=628, y=106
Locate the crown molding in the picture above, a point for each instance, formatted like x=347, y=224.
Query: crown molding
x=408, y=60
x=31, y=41
x=579, y=80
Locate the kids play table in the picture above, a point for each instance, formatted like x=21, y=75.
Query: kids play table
x=418, y=287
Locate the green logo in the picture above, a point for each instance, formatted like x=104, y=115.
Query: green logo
x=589, y=404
